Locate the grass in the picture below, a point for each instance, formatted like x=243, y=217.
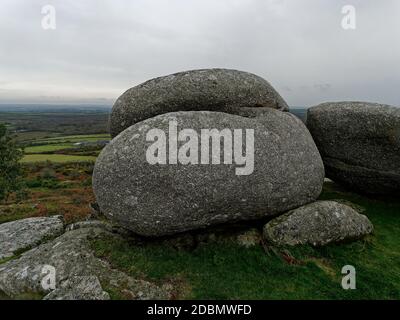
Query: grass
x=15, y=212
x=58, y=158
x=76, y=138
x=72, y=203
x=83, y=137
x=52, y=189
x=43, y=149
x=227, y=271
x=34, y=136
x=47, y=148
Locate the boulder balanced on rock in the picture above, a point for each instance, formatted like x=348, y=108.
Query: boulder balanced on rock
x=265, y=166
x=359, y=143
x=222, y=90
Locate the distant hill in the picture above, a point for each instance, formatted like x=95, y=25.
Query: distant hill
x=300, y=112
x=53, y=108
x=68, y=119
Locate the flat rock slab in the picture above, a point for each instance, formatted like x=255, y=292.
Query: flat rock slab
x=27, y=233
x=318, y=224
x=70, y=256
x=222, y=90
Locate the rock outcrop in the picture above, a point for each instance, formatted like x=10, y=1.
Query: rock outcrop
x=79, y=288
x=317, y=224
x=360, y=144
x=159, y=198
x=221, y=90
x=23, y=234
x=78, y=272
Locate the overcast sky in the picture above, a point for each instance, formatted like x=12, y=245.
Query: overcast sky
x=101, y=48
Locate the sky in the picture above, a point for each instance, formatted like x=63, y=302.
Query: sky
x=100, y=48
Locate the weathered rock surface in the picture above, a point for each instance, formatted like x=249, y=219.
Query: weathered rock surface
x=359, y=143
x=90, y=224
x=79, y=288
x=75, y=266
x=155, y=200
x=317, y=224
x=222, y=90
x=26, y=233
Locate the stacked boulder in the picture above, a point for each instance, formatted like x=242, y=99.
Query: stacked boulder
x=269, y=167
x=182, y=187
x=218, y=90
x=360, y=144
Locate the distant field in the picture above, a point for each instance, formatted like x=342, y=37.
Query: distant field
x=33, y=136
x=76, y=138
x=59, y=158
x=300, y=112
x=47, y=148
x=82, y=137
x=56, y=120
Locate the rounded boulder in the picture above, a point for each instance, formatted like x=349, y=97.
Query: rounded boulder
x=359, y=143
x=220, y=90
x=189, y=170
x=318, y=224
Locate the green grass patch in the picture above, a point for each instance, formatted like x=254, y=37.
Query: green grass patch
x=15, y=212
x=76, y=138
x=89, y=136
x=58, y=158
x=34, y=136
x=227, y=271
x=48, y=148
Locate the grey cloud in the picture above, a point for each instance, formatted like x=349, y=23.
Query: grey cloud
x=322, y=86
x=100, y=48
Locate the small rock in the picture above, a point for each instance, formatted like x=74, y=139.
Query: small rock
x=89, y=224
x=27, y=233
x=249, y=238
x=317, y=224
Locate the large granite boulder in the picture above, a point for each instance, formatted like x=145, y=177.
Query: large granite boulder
x=155, y=197
x=220, y=90
x=359, y=143
x=318, y=224
x=23, y=234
